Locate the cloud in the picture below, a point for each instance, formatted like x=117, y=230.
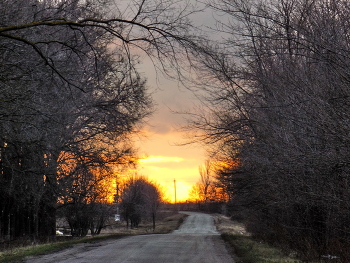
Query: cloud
x=165, y=169
x=161, y=129
x=157, y=159
x=166, y=161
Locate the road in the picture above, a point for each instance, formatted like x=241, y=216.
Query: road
x=195, y=241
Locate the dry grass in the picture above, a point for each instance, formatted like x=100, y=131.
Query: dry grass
x=245, y=248
x=169, y=221
x=225, y=225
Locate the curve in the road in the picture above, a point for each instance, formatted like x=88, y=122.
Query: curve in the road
x=197, y=223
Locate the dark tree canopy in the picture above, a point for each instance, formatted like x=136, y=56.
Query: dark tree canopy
x=278, y=101
x=70, y=92
x=140, y=200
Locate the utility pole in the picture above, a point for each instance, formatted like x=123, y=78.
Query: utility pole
x=175, y=190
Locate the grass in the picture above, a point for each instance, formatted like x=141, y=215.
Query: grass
x=18, y=254
x=170, y=224
x=245, y=248
x=249, y=250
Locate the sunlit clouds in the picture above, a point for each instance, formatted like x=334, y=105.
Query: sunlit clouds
x=165, y=162
x=162, y=160
x=157, y=159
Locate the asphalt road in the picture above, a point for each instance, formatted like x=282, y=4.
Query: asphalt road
x=195, y=241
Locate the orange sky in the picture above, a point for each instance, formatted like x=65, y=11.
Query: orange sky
x=165, y=160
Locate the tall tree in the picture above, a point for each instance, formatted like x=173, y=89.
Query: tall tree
x=69, y=85
x=279, y=104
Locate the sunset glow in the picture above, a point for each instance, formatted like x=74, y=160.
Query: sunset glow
x=171, y=172
x=155, y=159
x=165, y=161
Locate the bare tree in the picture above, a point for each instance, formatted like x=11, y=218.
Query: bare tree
x=159, y=28
x=279, y=104
x=140, y=199
x=86, y=188
x=68, y=83
x=208, y=192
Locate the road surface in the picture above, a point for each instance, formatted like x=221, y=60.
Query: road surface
x=195, y=241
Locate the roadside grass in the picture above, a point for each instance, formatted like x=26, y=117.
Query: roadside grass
x=170, y=224
x=245, y=248
x=18, y=254
x=249, y=250
x=165, y=225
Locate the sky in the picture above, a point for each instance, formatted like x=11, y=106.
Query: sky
x=166, y=161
